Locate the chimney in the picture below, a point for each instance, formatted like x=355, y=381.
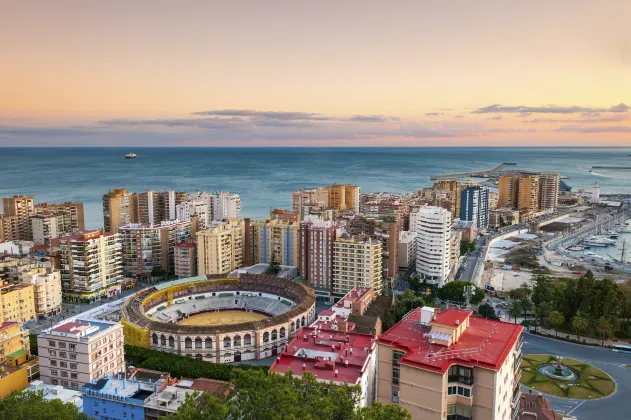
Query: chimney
x=336, y=372
x=345, y=363
x=457, y=322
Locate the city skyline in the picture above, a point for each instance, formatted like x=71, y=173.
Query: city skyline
x=329, y=74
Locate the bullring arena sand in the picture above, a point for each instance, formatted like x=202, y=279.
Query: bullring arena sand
x=222, y=318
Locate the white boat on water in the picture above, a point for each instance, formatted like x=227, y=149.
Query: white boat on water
x=575, y=248
x=130, y=156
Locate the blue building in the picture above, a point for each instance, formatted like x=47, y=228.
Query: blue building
x=474, y=206
x=111, y=398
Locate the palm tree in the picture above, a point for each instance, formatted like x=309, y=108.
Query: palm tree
x=542, y=311
x=580, y=324
x=556, y=318
x=514, y=311
x=604, y=328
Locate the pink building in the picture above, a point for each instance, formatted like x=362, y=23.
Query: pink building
x=316, y=252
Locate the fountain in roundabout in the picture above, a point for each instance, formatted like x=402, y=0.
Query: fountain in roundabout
x=558, y=372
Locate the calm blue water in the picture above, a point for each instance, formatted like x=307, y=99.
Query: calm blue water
x=265, y=177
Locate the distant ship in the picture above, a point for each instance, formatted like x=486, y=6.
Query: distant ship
x=130, y=156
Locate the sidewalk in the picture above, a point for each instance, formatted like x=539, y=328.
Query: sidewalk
x=588, y=340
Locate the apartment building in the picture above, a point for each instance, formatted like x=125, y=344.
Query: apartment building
x=285, y=215
x=356, y=263
x=21, y=207
x=9, y=228
x=220, y=247
x=336, y=196
x=528, y=193
x=72, y=214
x=344, y=196
x=17, y=366
x=13, y=338
x=508, y=192
x=169, y=200
x=549, y=191
x=46, y=284
x=446, y=364
x=17, y=301
x=454, y=249
x=503, y=217
x=146, y=246
x=316, y=251
x=46, y=226
x=226, y=205
x=455, y=188
x=150, y=207
x=186, y=210
x=318, y=197
x=91, y=264
x=275, y=237
x=433, y=244
x=474, y=206
x=406, y=255
x=384, y=228
x=185, y=260
x=79, y=351
x=120, y=207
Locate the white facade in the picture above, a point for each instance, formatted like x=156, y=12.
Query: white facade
x=226, y=205
x=596, y=193
x=433, y=244
x=184, y=211
x=46, y=284
x=46, y=227
x=407, y=249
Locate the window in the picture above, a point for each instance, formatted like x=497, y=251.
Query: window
x=63, y=354
x=461, y=374
x=396, y=369
x=64, y=374
x=395, y=394
x=74, y=385
x=64, y=383
x=73, y=376
x=53, y=363
x=53, y=372
x=62, y=345
x=52, y=353
x=73, y=365
x=73, y=356
x=63, y=364
x=51, y=343
x=72, y=347
x=188, y=343
x=459, y=390
x=458, y=412
x=54, y=381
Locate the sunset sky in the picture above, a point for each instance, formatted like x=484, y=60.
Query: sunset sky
x=315, y=73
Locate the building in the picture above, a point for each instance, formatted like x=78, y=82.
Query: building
x=318, y=197
x=549, y=191
x=336, y=196
x=528, y=193
x=453, y=186
x=406, y=249
x=220, y=247
x=344, y=196
x=454, y=250
x=466, y=229
x=80, y=351
x=186, y=210
x=332, y=356
x=316, y=251
x=433, y=244
x=170, y=199
x=535, y=407
x=9, y=228
x=18, y=303
x=508, y=195
x=446, y=364
x=72, y=213
x=226, y=206
x=595, y=194
x=91, y=265
x=17, y=366
x=284, y=215
x=46, y=284
x=21, y=207
x=503, y=217
x=150, y=207
x=57, y=392
x=275, y=237
x=474, y=206
x=356, y=263
x=119, y=208
x=185, y=259
x=148, y=246
x=384, y=228
x=46, y=226
x=356, y=302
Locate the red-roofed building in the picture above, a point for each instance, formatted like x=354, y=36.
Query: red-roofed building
x=446, y=364
x=332, y=356
x=355, y=302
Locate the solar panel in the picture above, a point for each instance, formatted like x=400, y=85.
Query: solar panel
x=439, y=335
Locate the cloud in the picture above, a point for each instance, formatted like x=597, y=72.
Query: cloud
x=524, y=114
x=278, y=115
x=586, y=118
x=458, y=116
x=594, y=129
x=369, y=118
x=497, y=117
x=444, y=109
x=433, y=114
x=549, y=109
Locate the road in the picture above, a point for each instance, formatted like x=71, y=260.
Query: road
x=615, y=407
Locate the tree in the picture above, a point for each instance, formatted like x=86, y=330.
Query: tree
x=556, y=318
x=604, y=328
x=33, y=344
x=378, y=411
x=32, y=405
x=274, y=266
x=487, y=311
x=454, y=291
x=158, y=272
x=580, y=324
x=526, y=306
x=466, y=246
x=541, y=312
x=514, y=311
x=209, y=408
x=404, y=303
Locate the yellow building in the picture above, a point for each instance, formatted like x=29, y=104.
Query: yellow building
x=356, y=263
x=276, y=237
x=119, y=208
x=18, y=303
x=21, y=207
x=46, y=284
x=17, y=368
x=508, y=191
x=549, y=191
x=528, y=193
x=344, y=196
x=220, y=247
x=9, y=228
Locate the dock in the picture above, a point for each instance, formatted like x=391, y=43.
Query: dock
x=611, y=167
x=480, y=174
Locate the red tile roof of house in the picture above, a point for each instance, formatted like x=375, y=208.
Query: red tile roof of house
x=68, y=327
x=7, y=324
x=349, y=353
x=484, y=343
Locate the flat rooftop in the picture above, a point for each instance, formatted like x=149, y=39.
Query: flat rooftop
x=122, y=388
x=355, y=294
x=484, y=343
x=324, y=353
x=81, y=328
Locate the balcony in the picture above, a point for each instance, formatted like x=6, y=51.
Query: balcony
x=515, y=413
x=514, y=401
x=518, y=373
x=517, y=362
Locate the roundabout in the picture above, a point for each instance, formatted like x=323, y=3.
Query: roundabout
x=565, y=377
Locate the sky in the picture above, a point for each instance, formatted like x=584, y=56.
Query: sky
x=315, y=73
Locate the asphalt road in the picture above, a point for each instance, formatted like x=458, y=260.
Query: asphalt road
x=615, y=407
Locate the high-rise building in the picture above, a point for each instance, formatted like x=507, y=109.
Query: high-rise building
x=549, y=191
x=344, y=196
x=275, y=237
x=46, y=284
x=226, y=205
x=185, y=260
x=9, y=228
x=150, y=207
x=432, y=244
x=220, y=247
x=316, y=251
x=91, y=264
x=595, y=193
x=81, y=351
x=119, y=208
x=448, y=364
x=285, y=215
x=318, y=197
x=20, y=206
x=147, y=246
x=384, y=228
x=455, y=188
x=474, y=206
x=170, y=199
x=46, y=226
x=356, y=263
x=72, y=213
x=528, y=193
x=407, y=249
x=17, y=302
x=196, y=207
x=508, y=191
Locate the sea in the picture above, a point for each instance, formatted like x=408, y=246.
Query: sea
x=265, y=177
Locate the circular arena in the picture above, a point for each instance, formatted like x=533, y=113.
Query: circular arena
x=219, y=319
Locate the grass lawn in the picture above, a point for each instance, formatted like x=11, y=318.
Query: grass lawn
x=592, y=384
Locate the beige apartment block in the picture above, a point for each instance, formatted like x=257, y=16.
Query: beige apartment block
x=20, y=206
x=356, y=263
x=72, y=214
x=447, y=365
x=46, y=284
x=46, y=226
x=79, y=351
x=17, y=302
x=185, y=259
x=220, y=247
x=150, y=207
x=277, y=237
x=549, y=191
x=9, y=228
x=119, y=208
x=529, y=192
